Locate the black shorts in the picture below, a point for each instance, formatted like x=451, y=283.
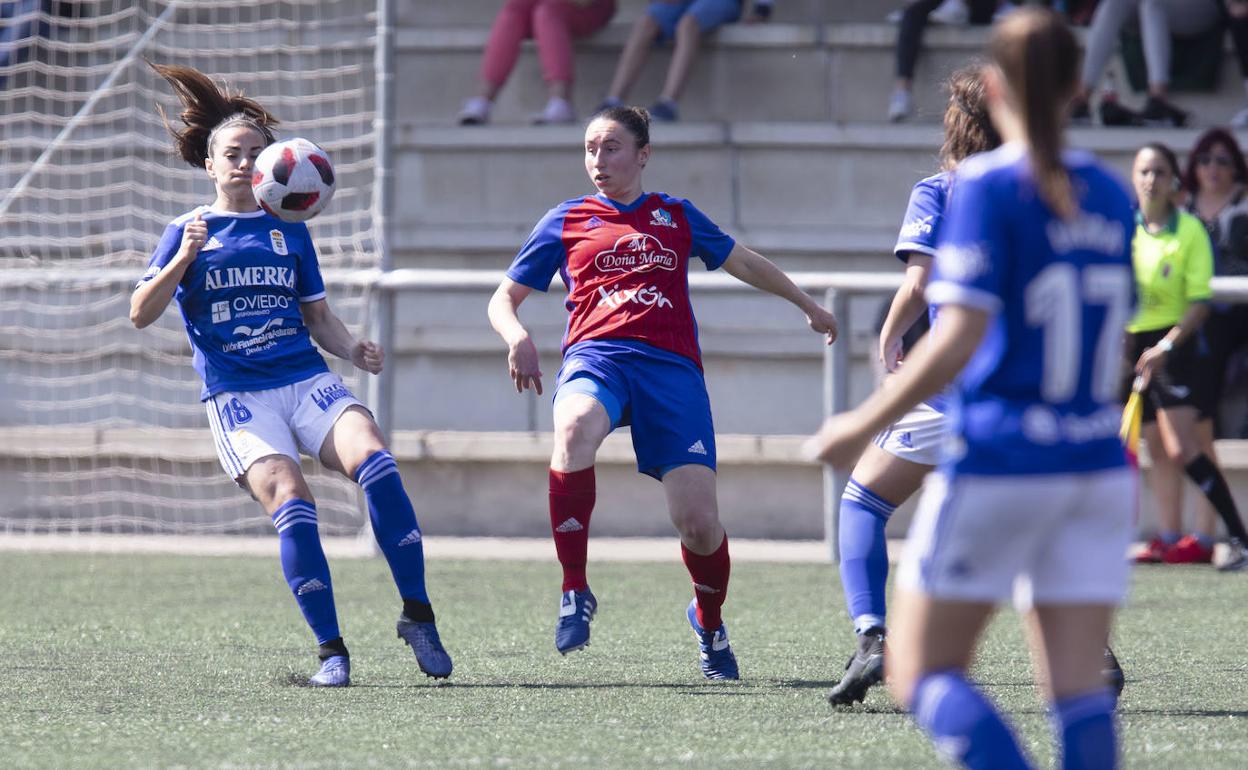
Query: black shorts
x=1184, y=381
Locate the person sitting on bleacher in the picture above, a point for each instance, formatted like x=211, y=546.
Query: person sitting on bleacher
x=553, y=24
x=1159, y=20
x=685, y=22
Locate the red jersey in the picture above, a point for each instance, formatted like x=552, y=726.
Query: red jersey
x=626, y=267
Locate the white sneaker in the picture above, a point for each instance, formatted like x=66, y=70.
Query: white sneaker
x=557, y=111
x=476, y=112
x=952, y=12
x=1241, y=119
x=899, y=105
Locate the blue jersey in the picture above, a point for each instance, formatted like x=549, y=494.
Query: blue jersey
x=240, y=299
x=920, y=234
x=1040, y=395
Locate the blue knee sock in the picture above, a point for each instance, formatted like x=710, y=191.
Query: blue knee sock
x=1085, y=725
x=864, y=554
x=394, y=524
x=303, y=563
x=965, y=727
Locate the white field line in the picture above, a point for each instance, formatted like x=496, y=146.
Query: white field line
x=635, y=549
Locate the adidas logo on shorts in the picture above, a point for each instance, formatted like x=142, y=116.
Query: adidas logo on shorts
x=697, y=448
x=312, y=585
x=569, y=525
x=411, y=538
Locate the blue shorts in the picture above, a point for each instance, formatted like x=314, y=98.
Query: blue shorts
x=662, y=395
x=711, y=14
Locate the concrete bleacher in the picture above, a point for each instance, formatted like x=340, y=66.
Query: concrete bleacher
x=783, y=144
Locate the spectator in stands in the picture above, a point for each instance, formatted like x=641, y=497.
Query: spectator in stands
x=552, y=24
x=1215, y=177
x=1235, y=15
x=1173, y=260
x=685, y=22
x=914, y=19
x=1159, y=20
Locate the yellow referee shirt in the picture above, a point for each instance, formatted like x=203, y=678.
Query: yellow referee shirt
x=1172, y=270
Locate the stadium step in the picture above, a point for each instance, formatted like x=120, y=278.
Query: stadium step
x=746, y=175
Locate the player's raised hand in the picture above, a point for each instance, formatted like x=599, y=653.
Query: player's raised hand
x=369, y=356
x=524, y=366
x=840, y=442
x=194, y=235
x=822, y=321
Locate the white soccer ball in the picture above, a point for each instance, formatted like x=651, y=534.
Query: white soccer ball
x=293, y=180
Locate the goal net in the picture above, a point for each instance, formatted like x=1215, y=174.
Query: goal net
x=102, y=429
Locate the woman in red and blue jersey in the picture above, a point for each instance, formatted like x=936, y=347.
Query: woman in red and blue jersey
x=252, y=300
x=631, y=357
x=1034, y=281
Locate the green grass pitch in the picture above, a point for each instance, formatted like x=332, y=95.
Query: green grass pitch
x=144, y=661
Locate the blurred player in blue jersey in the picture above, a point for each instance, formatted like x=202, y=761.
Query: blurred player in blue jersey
x=631, y=357
x=893, y=466
x=1033, y=278
x=253, y=301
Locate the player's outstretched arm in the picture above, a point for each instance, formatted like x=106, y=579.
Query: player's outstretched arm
x=334, y=338
x=933, y=363
x=148, y=302
x=750, y=267
x=523, y=364
x=908, y=306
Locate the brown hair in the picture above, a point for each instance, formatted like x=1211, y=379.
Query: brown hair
x=1039, y=58
x=968, y=128
x=1205, y=145
x=208, y=109
x=635, y=119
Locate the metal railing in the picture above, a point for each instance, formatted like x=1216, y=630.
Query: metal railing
x=836, y=288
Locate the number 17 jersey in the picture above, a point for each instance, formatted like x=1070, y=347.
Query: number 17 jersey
x=1040, y=394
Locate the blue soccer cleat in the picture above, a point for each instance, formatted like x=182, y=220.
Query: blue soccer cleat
x=718, y=662
x=576, y=609
x=335, y=672
x=431, y=656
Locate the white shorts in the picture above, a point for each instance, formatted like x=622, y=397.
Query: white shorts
x=1053, y=539
x=249, y=425
x=919, y=436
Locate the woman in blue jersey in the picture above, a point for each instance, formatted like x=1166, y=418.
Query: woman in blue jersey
x=893, y=467
x=253, y=302
x=1034, y=282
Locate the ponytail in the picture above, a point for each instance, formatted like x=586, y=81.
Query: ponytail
x=1039, y=58
x=208, y=109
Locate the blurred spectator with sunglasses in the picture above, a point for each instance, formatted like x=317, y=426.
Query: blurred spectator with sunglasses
x=1215, y=178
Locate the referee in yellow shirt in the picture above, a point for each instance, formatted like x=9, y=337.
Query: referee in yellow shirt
x=1173, y=261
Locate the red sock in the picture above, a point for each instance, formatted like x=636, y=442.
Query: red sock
x=710, y=582
x=571, y=503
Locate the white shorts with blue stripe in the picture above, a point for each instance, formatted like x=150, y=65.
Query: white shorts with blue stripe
x=249, y=425
x=1046, y=539
x=919, y=436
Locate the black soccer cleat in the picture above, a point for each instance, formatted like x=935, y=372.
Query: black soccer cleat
x=1112, y=673
x=864, y=670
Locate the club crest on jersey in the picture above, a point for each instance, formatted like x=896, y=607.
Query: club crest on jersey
x=636, y=253
x=594, y=222
x=662, y=218
x=278, y=239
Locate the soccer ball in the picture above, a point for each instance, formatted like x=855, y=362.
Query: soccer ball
x=293, y=180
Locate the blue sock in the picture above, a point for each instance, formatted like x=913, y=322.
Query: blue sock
x=1169, y=537
x=394, y=524
x=1085, y=724
x=864, y=554
x=303, y=563
x=1204, y=540
x=965, y=727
